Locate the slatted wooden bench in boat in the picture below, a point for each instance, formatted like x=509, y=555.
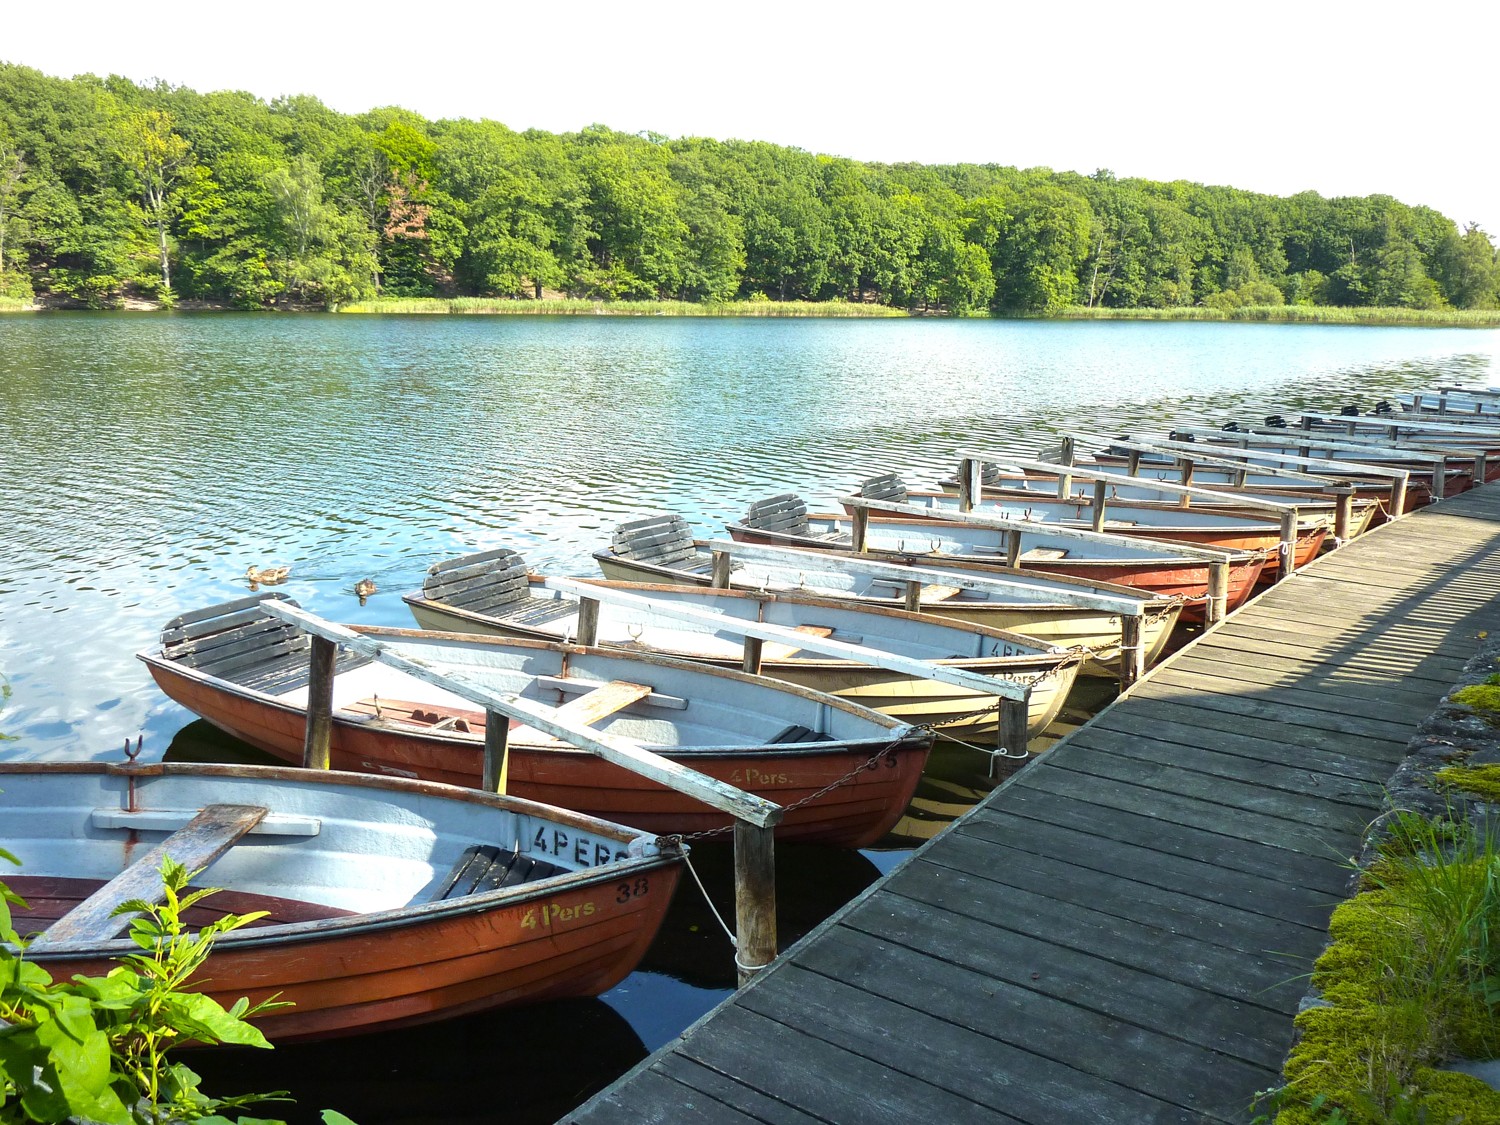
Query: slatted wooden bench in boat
x=662, y=540
x=206, y=837
x=785, y=514
x=486, y=867
x=239, y=642
x=887, y=487
x=496, y=583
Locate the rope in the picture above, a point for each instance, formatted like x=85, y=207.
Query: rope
x=712, y=909
x=994, y=755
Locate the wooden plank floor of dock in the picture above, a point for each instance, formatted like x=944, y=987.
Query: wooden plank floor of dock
x=1121, y=932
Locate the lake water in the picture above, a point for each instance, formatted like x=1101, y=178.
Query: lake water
x=147, y=460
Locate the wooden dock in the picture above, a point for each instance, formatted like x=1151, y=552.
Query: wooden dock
x=1121, y=932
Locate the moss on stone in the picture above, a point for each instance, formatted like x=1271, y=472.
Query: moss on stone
x=1483, y=698
x=1389, y=1016
x=1483, y=781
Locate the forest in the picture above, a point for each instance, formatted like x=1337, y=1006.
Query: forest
x=110, y=189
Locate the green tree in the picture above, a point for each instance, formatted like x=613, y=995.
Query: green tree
x=12, y=170
x=156, y=156
x=1469, y=270
x=326, y=252
x=1041, y=250
x=637, y=237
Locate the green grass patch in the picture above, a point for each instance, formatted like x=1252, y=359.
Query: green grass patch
x=1300, y=314
x=584, y=307
x=15, y=304
x=1411, y=980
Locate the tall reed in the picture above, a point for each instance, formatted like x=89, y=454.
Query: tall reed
x=568, y=306
x=1299, y=314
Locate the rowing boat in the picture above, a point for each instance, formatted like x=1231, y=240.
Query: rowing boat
x=494, y=593
x=1159, y=522
x=1257, y=482
x=661, y=548
x=390, y=902
x=247, y=673
x=783, y=520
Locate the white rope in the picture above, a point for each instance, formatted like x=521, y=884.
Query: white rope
x=714, y=910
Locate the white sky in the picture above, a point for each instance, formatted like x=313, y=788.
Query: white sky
x=1343, y=98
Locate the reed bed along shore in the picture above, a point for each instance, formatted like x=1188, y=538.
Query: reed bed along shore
x=583, y=306
x=570, y=306
x=1299, y=314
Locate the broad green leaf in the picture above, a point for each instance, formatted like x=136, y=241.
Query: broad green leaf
x=205, y=1012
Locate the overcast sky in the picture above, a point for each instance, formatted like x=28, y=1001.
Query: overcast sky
x=1338, y=97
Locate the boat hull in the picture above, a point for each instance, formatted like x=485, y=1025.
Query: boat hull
x=1157, y=577
x=855, y=814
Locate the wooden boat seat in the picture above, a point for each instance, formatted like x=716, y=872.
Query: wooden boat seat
x=485, y=867
x=195, y=845
x=588, y=708
x=775, y=651
x=496, y=583
x=798, y=733
x=989, y=472
x=239, y=642
x=538, y=611
x=888, y=487
x=940, y=593
x=661, y=540
x=785, y=514
x=890, y=588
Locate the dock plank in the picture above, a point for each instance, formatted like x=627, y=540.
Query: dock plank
x=1118, y=933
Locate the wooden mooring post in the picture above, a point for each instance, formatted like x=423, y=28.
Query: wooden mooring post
x=317, y=737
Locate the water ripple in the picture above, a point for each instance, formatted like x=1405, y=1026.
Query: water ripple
x=149, y=460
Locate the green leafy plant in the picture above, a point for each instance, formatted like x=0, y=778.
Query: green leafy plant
x=95, y=1048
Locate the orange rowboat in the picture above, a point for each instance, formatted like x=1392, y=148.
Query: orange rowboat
x=391, y=902
x=247, y=673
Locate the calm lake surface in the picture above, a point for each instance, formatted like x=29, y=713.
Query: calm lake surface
x=147, y=460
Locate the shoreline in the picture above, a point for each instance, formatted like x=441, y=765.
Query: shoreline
x=847, y=310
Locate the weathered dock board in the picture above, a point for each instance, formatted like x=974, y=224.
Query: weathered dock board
x=1120, y=933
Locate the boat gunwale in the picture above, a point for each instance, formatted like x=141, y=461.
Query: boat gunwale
x=1052, y=656
x=896, y=732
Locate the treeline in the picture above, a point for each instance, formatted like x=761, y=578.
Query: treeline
x=110, y=189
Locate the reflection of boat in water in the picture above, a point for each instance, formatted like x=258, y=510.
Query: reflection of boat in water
x=545, y=1060
x=812, y=881
x=959, y=774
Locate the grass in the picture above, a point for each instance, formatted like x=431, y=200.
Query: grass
x=585, y=307
x=15, y=304
x=1299, y=314
x=1411, y=979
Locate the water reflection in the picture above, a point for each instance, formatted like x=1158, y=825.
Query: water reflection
x=528, y=1066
